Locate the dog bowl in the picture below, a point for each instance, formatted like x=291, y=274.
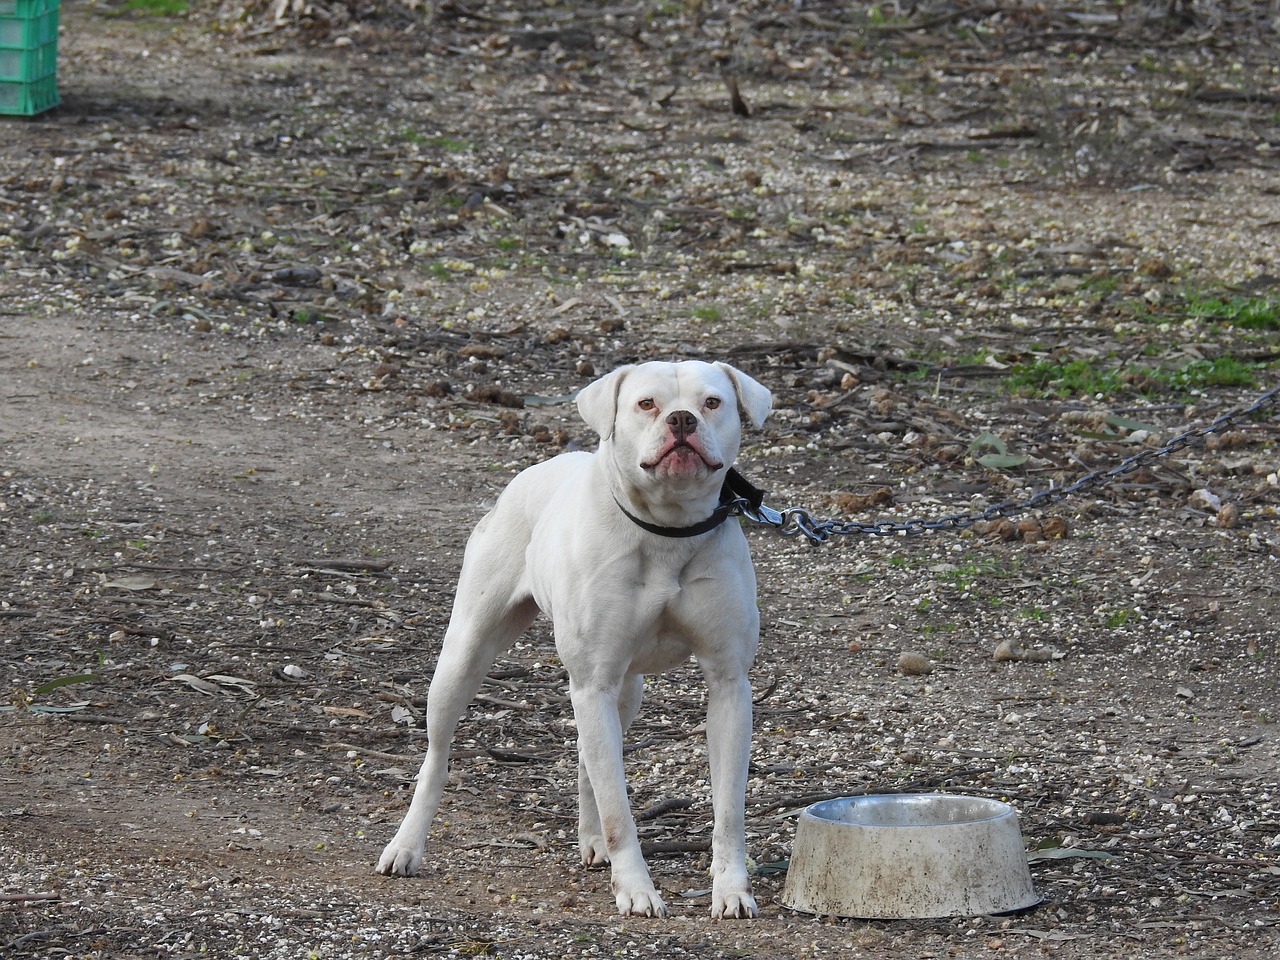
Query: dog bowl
x=908, y=856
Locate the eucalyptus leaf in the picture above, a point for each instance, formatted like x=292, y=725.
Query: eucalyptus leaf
x=1126, y=424
x=988, y=440
x=49, y=708
x=1003, y=461
x=401, y=714
x=765, y=869
x=533, y=400
x=1062, y=853
x=231, y=684
x=52, y=685
x=198, y=685
x=136, y=581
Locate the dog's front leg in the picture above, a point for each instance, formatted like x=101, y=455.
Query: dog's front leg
x=729, y=751
x=601, y=717
x=591, y=845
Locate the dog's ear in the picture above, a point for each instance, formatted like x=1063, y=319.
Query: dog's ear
x=754, y=399
x=598, y=401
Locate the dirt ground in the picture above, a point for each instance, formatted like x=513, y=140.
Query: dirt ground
x=282, y=307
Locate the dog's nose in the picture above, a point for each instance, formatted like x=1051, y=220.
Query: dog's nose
x=682, y=423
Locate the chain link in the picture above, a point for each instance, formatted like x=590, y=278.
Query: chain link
x=794, y=520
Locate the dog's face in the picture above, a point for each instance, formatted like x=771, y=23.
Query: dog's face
x=674, y=425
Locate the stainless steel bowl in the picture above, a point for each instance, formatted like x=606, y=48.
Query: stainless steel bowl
x=903, y=856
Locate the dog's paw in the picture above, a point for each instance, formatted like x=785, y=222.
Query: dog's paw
x=399, y=861
x=734, y=905
x=641, y=902
x=593, y=851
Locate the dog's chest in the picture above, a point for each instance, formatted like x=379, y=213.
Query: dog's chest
x=668, y=619
x=635, y=608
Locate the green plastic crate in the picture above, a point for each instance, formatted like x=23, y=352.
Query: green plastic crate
x=28, y=56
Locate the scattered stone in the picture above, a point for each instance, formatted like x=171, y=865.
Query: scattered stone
x=1103, y=819
x=1012, y=649
x=847, y=502
x=1007, y=650
x=479, y=351
x=1055, y=528
x=913, y=664
x=490, y=394
x=1204, y=499
x=1004, y=530
x=1028, y=530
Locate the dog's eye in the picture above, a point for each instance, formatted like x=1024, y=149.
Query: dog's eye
x=712, y=403
x=647, y=404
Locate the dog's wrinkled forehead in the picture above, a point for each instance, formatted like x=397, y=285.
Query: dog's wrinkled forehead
x=674, y=386
x=687, y=383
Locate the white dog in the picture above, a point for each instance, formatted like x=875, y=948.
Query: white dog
x=624, y=550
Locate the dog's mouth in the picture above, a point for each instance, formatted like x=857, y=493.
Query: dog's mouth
x=678, y=452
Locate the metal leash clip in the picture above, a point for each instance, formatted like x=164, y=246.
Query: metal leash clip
x=790, y=521
x=799, y=520
x=761, y=514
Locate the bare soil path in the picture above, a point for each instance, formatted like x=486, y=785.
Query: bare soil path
x=281, y=309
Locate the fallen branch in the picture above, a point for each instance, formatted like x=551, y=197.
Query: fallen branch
x=663, y=807
x=653, y=848
x=344, y=566
x=365, y=754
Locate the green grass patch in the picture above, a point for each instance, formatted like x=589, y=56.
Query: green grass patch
x=880, y=14
x=1219, y=372
x=1073, y=377
x=305, y=315
x=1116, y=619
x=1253, y=313
x=929, y=629
x=1099, y=286
x=1079, y=377
x=449, y=144
x=1246, y=313
x=966, y=574
x=157, y=8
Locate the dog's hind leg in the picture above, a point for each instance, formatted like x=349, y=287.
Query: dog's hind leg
x=481, y=628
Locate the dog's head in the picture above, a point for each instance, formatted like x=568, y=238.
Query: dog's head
x=674, y=427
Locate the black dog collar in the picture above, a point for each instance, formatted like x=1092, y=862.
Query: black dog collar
x=736, y=494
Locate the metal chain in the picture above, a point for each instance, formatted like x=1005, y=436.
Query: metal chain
x=799, y=520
